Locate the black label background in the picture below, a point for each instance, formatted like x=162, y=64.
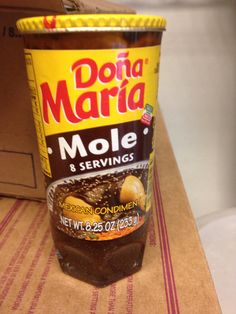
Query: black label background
x=141, y=151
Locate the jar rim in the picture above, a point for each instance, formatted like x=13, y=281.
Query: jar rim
x=91, y=22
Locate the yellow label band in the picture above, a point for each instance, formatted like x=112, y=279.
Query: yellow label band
x=85, y=89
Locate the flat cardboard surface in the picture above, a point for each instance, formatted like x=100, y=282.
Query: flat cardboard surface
x=174, y=278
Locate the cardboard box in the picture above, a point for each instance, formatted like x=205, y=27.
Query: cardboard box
x=20, y=172
x=174, y=279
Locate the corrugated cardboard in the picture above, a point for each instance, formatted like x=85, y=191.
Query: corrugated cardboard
x=174, y=278
x=20, y=173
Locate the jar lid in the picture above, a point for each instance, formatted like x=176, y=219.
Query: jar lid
x=91, y=22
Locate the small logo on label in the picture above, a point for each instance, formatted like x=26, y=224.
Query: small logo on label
x=147, y=115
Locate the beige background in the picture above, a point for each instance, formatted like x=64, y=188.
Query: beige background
x=198, y=99
x=197, y=95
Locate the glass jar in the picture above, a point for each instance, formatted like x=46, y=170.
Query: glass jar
x=93, y=81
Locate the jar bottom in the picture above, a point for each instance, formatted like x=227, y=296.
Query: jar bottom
x=100, y=263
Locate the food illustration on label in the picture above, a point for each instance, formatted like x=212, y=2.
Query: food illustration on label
x=101, y=207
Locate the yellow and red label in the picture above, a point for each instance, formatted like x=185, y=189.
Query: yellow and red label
x=85, y=89
x=94, y=113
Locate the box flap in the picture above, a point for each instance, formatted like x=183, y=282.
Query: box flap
x=44, y=5
x=64, y=6
x=96, y=6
